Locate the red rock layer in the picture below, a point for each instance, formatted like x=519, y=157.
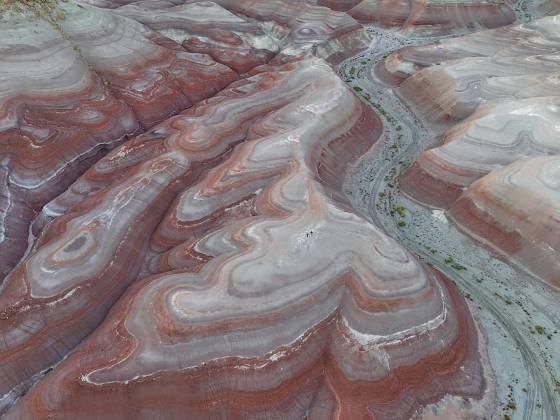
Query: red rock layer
x=269, y=296
x=340, y=5
x=429, y=183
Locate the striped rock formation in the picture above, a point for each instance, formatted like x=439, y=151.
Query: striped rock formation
x=297, y=27
x=497, y=93
x=495, y=135
x=179, y=241
x=530, y=39
x=257, y=290
x=207, y=28
x=76, y=85
x=66, y=97
x=515, y=211
x=434, y=15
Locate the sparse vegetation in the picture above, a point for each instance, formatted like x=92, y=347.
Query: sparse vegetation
x=48, y=10
x=400, y=211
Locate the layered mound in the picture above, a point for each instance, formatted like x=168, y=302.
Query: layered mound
x=297, y=26
x=76, y=84
x=66, y=97
x=539, y=37
x=451, y=91
x=515, y=210
x=185, y=247
x=316, y=19
x=436, y=15
x=495, y=135
x=258, y=291
x=207, y=28
x=498, y=95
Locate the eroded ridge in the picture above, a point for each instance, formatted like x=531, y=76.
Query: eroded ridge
x=205, y=27
x=267, y=294
x=79, y=79
x=495, y=135
x=70, y=92
x=298, y=27
x=494, y=98
x=539, y=37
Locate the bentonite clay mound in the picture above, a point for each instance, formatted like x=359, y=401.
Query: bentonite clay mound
x=514, y=210
x=66, y=97
x=434, y=15
x=176, y=239
x=267, y=295
x=76, y=87
x=296, y=27
x=530, y=39
x=497, y=96
x=495, y=135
